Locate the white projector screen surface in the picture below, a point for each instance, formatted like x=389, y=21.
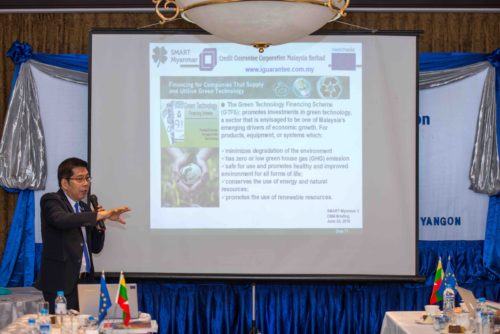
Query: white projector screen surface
x=297, y=161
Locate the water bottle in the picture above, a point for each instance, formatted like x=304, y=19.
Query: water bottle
x=44, y=322
x=60, y=307
x=32, y=327
x=490, y=322
x=486, y=318
x=480, y=315
x=449, y=303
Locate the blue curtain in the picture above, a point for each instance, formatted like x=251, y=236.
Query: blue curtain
x=298, y=308
x=19, y=264
x=446, y=60
x=281, y=307
x=22, y=52
x=286, y=307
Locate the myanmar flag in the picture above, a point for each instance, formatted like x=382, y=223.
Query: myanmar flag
x=436, y=296
x=122, y=299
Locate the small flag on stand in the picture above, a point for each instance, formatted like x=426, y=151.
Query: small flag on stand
x=438, y=278
x=104, y=300
x=449, y=279
x=122, y=299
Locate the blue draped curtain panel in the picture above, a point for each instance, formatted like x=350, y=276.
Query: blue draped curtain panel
x=286, y=307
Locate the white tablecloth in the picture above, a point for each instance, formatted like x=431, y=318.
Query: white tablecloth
x=20, y=325
x=152, y=329
x=22, y=301
x=405, y=323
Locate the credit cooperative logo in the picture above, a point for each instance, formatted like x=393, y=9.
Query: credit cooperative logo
x=206, y=61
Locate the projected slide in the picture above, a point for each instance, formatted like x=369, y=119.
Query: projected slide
x=245, y=140
x=301, y=160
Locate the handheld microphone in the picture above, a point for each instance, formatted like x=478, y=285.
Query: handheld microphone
x=95, y=204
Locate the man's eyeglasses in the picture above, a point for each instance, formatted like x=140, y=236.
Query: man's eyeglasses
x=81, y=179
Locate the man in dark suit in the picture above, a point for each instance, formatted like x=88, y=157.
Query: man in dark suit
x=70, y=234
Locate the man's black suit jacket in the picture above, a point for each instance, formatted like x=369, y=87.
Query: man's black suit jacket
x=63, y=242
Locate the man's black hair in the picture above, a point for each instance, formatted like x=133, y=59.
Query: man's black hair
x=65, y=169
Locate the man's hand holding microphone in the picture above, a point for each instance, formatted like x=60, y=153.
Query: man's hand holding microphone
x=111, y=214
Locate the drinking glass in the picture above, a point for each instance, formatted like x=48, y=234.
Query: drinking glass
x=43, y=305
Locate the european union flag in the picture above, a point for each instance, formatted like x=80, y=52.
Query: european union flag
x=449, y=280
x=104, y=300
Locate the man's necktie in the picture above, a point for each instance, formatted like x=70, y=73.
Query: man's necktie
x=85, y=249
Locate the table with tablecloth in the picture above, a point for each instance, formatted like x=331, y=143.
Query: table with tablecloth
x=143, y=325
x=21, y=301
x=405, y=323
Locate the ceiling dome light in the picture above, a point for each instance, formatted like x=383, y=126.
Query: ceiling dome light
x=259, y=23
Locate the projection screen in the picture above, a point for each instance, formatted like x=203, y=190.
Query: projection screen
x=300, y=161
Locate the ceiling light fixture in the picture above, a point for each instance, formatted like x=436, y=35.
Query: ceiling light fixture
x=259, y=23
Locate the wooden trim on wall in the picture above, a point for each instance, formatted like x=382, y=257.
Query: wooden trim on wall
x=6, y=5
